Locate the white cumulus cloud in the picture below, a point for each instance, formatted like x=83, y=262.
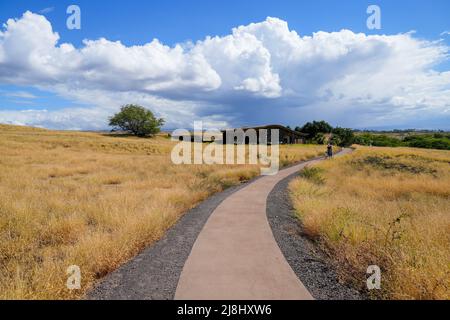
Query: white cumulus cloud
x=262, y=72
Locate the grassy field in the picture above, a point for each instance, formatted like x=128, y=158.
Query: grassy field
x=382, y=206
x=93, y=200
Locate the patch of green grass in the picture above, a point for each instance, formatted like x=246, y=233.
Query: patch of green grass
x=313, y=174
x=384, y=162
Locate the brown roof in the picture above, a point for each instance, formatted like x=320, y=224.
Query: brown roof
x=273, y=126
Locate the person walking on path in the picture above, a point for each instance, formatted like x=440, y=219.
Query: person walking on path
x=329, y=151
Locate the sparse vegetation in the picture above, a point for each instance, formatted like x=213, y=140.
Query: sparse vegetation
x=382, y=206
x=93, y=200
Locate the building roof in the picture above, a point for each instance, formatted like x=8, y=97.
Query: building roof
x=273, y=126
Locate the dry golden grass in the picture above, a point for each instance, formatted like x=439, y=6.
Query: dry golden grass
x=387, y=207
x=93, y=200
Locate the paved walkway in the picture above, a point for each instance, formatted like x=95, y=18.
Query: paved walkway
x=236, y=256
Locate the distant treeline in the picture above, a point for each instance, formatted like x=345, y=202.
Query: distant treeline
x=428, y=141
x=321, y=132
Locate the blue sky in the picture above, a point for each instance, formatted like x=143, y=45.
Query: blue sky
x=173, y=21
x=137, y=23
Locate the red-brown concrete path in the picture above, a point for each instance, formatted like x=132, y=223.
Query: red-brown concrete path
x=236, y=256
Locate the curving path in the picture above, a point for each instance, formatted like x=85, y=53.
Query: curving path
x=224, y=249
x=236, y=255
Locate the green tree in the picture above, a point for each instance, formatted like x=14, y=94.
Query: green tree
x=315, y=127
x=343, y=137
x=335, y=140
x=136, y=120
x=320, y=138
